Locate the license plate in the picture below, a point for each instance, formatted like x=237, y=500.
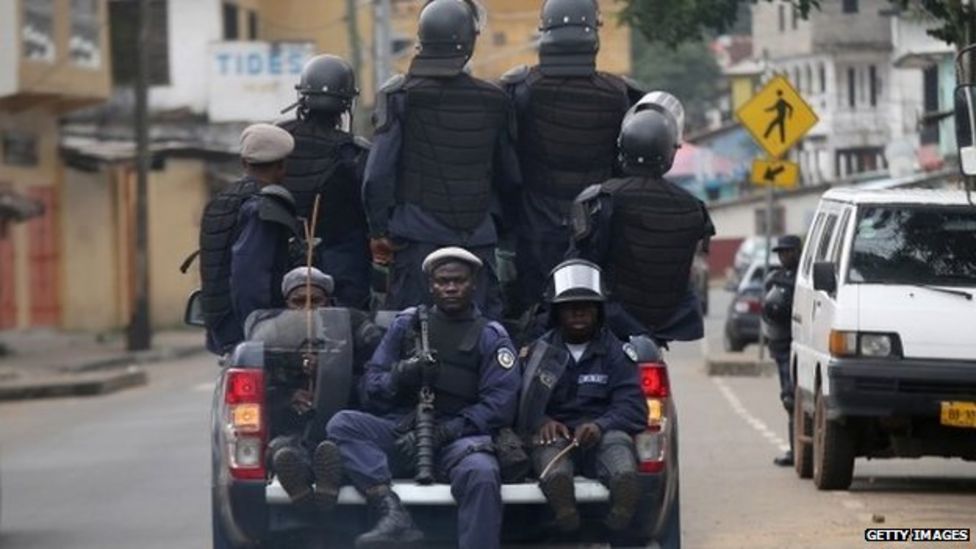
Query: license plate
x=958, y=414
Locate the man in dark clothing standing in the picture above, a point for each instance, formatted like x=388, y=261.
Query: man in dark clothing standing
x=569, y=115
x=596, y=402
x=329, y=162
x=777, y=324
x=644, y=230
x=473, y=373
x=442, y=150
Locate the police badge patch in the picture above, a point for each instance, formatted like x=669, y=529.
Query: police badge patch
x=505, y=357
x=630, y=351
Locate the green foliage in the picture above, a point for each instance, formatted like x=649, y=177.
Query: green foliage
x=688, y=71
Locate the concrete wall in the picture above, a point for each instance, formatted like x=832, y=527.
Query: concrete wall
x=767, y=36
x=90, y=244
x=833, y=30
x=737, y=220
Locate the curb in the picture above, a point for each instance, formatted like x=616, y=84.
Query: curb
x=135, y=358
x=82, y=384
x=745, y=367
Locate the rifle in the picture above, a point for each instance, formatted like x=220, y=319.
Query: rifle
x=425, y=407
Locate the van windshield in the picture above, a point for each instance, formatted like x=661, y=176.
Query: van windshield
x=915, y=245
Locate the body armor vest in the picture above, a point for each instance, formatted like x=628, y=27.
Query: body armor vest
x=450, y=130
x=315, y=167
x=654, y=232
x=778, y=306
x=568, y=134
x=459, y=361
x=218, y=229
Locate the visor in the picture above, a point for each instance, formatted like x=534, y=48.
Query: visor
x=666, y=103
x=577, y=282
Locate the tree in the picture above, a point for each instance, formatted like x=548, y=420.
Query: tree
x=673, y=22
x=687, y=71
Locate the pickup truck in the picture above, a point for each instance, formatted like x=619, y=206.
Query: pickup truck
x=250, y=508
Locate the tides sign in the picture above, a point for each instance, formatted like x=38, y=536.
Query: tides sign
x=253, y=81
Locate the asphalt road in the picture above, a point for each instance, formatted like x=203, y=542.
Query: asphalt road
x=130, y=469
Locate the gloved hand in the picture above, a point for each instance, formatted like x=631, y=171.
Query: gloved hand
x=406, y=444
x=588, y=434
x=410, y=373
x=382, y=250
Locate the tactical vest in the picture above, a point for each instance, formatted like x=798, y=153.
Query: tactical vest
x=218, y=230
x=450, y=130
x=315, y=167
x=568, y=134
x=456, y=343
x=654, y=233
x=777, y=315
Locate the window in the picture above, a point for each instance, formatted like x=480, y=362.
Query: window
x=851, y=87
x=38, y=30
x=796, y=15
x=808, y=250
x=85, y=43
x=823, y=246
x=823, y=78
x=19, y=148
x=782, y=18
x=873, y=85
x=850, y=6
x=230, y=22
x=809, y=80
x=839, y=241
x=252, y=25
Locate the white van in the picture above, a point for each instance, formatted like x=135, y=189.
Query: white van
x=884, y=331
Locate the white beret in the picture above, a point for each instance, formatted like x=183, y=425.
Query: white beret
x=298, y=276
x=451, y=253
x=262, y=143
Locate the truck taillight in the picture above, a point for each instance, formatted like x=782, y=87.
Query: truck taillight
x=651, y=445
x=244, y=424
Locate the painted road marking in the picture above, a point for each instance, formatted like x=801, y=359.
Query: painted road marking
x=752, y=420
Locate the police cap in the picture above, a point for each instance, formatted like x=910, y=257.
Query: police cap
x=263, y=143
x=451, y=253
x=787, y=242
x=299, y=276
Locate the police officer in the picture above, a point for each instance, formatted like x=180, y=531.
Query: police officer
x=475, y=385
x=569, y=115
x=442, y=149
x=260, y=255
x=297, y=459
x=777, y=320
x=644, y=230
x=596, y=401
x=329, y=162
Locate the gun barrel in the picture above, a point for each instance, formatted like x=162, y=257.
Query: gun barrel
x=425, y=443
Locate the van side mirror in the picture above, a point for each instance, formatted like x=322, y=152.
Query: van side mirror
x=965, y=119
x=193, y=316
x=824, y=277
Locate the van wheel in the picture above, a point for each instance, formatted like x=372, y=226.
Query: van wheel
x=833, y=450
x=802, y=438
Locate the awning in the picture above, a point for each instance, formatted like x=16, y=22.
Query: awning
x=17, y=207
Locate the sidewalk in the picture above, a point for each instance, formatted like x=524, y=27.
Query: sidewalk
x=46, y=363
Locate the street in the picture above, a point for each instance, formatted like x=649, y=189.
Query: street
x=131, y=469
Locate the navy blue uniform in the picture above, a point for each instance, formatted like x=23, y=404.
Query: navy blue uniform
x=366, y=440
x=416, y=233
x=259, y=260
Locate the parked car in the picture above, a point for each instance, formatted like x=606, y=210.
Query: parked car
x=884, y=343
x=249, y=508
x=743, y=320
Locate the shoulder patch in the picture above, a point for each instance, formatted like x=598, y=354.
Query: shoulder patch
x=630, y=351
x=505, y=357
x=515, y=75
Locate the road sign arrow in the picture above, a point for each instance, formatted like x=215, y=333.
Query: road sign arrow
x=772, y=172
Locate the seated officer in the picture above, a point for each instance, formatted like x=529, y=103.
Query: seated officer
x=596, y=403
x=471, y=368
x=292, y=400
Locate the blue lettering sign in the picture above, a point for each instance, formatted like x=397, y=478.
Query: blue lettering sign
x=274, y=63
x=223, y=59
x=254, y=63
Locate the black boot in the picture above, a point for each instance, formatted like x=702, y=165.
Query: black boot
x=293, y=473
x=785, y=460
x=327, y=468
x=625, y=494
x=394, y=528
x=559, y=492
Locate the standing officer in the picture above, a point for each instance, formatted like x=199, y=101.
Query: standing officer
x=329, y=162
x=777, y=324
x=442, y=149
x=644, y=230
x=261, y=256
x=569, y=115
x=596, y=401
x=475, y=384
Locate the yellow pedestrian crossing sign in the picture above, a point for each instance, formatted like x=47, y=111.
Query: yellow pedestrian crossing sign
x=777, y=116
x=779, y=173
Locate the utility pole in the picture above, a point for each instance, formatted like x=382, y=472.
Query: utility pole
x=355, y=49
x=382, y=38
x=767, y=72
x=139, y=333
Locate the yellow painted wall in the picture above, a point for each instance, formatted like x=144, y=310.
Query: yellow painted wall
x=90, y=243
x=743, y=87
x=177, y=196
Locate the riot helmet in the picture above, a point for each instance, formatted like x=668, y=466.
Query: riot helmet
x=576, y=280
x=446, y=34
x=327, y=84
x=569, y=38
x=650, y=134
